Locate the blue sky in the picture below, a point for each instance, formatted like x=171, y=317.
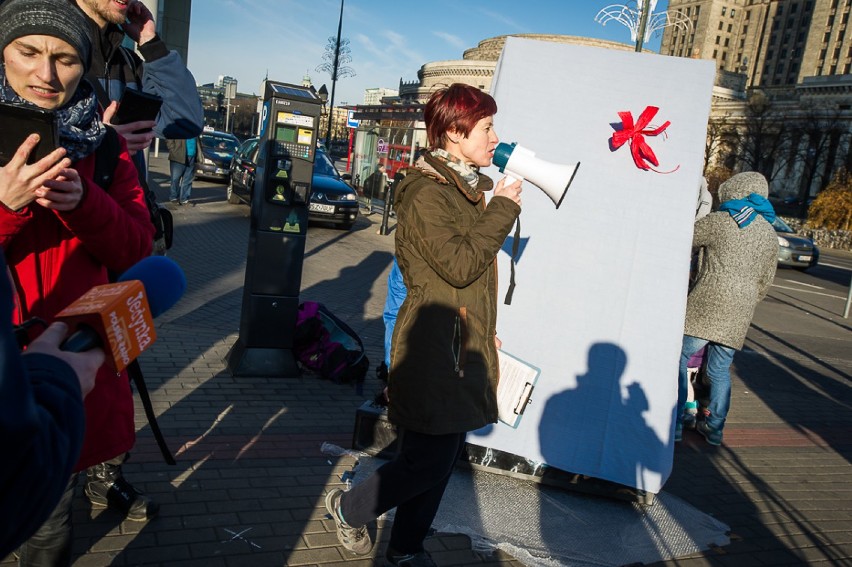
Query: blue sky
x=389, y=39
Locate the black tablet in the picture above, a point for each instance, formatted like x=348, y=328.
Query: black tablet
x=135, y=106
x=17, y=122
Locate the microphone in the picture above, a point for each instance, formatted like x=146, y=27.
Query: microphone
x=119, y=316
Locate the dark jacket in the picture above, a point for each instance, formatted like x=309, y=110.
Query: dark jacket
x=444, y=369
x=41, y=430
x=162, y=73
x=177, y=150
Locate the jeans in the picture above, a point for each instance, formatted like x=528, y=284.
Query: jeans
x=414, y=483
x=50, y=546
x=719, y=359
x=182, y=176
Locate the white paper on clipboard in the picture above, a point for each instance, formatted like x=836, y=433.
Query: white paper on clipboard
x=517, y=380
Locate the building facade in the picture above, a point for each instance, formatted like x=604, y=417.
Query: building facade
x=476, y=67
x=783, y=98
x=775, y=43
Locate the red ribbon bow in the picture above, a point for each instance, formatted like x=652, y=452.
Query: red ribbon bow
x=635, y=135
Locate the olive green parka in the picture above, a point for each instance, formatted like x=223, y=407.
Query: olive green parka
x=444, y=368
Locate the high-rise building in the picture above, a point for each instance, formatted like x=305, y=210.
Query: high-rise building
x=775, y=43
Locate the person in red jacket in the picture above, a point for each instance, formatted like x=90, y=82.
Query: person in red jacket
x=60, y=231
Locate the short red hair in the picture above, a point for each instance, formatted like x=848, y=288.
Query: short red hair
x=458, y=107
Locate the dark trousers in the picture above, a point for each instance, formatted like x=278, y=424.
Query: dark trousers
x=413, y=483
x=50, y=546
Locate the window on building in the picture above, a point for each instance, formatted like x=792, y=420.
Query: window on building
x=721, y=25
x=783, y=54
x=837, y=52
x=687, y=10
x=718, y=39
x=724, y=56
x=808, y=6
x=742, y=43
x=779, y=68
x=847, y=69
x=793, y=8
x=715, y=53
x=748, y=15
x=730, y=27
x=727, y=41
x=724, y=9
x=780, y=9
x=801, y=37
x=770, y=54
x=697, y=10
x=830, y=21
x=776, y=81
x=733, y=12
x=832, y=70
x=745, y=30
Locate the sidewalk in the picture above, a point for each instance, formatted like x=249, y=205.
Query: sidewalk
x=249, y=482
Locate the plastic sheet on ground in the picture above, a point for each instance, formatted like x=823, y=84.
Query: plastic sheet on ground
x=543, y=526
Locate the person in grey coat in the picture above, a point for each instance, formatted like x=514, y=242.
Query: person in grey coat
x=739, y=254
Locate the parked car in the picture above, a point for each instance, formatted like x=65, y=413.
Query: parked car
x=793, y=250
x=217, y=149
x=332, y=199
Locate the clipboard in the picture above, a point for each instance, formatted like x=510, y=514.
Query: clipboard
x=19, y=121
x=515, y=388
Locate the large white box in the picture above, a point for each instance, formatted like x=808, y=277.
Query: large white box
x=602, y=281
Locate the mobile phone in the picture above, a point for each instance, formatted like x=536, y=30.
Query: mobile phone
x=135, y=106
x=17, y=122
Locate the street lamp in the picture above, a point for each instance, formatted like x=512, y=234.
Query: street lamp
x=323, y=94
x=336, y=56
x=640, y=19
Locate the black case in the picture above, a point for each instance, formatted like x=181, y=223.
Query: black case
x=17, y=122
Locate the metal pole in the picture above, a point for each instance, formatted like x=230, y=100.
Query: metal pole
x=848, y=300
x=334, y=78
x=643, y=23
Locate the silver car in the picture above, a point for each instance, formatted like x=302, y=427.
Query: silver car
x=793, y=250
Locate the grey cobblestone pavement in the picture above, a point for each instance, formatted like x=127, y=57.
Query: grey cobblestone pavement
x=250, y=480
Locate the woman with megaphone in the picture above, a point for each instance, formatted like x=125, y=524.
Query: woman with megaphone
x=444, y=370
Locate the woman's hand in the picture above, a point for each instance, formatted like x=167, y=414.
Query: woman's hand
x=136, y=140
x=20, y=183
x=511, y=191
x=63, y=193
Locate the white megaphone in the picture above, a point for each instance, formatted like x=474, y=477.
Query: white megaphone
x=517, y=162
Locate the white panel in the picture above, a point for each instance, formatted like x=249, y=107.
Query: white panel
x=602, y=281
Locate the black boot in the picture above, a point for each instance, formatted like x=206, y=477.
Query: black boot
x=107, y=487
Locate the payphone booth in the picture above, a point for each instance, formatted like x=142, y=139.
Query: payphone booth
x=279, y=223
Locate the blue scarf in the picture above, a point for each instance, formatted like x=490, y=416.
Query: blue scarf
x=80, y=127
x=746, y=210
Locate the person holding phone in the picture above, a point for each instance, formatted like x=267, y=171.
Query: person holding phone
x=160, y=72
x=61, y=232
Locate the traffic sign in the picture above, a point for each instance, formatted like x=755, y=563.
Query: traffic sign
x=350, y=120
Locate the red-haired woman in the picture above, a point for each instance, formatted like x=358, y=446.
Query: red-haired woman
x=443, y=374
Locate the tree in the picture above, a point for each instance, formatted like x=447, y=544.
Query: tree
x=764, y=135
x=720, y=135
x=820, y=130
x=832, y=208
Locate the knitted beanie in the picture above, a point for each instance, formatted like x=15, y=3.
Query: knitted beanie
x=56, y=18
